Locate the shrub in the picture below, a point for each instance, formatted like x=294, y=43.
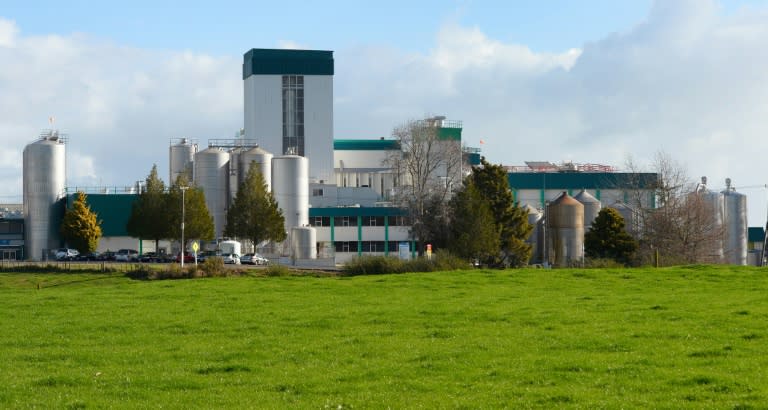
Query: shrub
x=213, y=267
x=378, y=265
x=602, y=263
x=277, y=270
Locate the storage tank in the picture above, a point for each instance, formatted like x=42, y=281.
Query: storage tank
x=290, y=187
x=630, y=217
x=212, y=176
x=182, y=155
x=304, y=242
x=591, y=208
x=44, y=178
x=565, y=231
x=735, y=224
x=536, y=239
x=262, y=159
x=714, y=201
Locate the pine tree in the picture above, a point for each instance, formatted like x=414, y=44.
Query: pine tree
x=80, y=228
x=149, y=215
x=608, y=239
x=474, y=232
x=511, y=219
x=254, y=213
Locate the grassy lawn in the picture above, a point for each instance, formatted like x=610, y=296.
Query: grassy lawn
x=692, y=337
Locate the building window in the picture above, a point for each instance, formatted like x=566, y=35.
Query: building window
x=320, y=221
x=293, y=114
x=399, y=221
x=346, y=221
x=345, y=246
x=373, y=221
x=317, y=192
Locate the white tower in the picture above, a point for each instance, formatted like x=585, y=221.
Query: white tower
x=289, y=105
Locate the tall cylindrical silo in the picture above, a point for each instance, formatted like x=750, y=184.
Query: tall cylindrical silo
x=536, y=239
x=212, y=176
x=591, y=208
x=304, y=242
x=182, y=155
x=565, y=231
x=262, y=159
x=44, y=168
x=713, y=203
x=290, y=186
x=735, y=224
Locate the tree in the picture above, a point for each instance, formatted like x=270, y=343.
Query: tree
x=198, y=222
x=686, y=226
x=149, y=215
x=474, y=233
x=511, y=219
x=80, y=228
x=254, y=213
x=428, y=168
x=608, y=239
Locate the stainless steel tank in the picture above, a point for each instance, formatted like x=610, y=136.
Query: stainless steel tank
x=290, y=186
x=44, y=178
x=304, y=242
x=735, y=224
x=182, y=155
x=536, y=240
x=591, y=208
x=261, y=159
x=212, y=175
x=565, y=231
x=714, y=203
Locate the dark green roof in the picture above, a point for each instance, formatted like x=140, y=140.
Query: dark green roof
x=113, y=210
x=449, y=133
x=260, y=61
x=366, y=145
x=581, y=180
x=756, y=234
x=357, y=211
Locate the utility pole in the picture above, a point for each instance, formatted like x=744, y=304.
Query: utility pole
x=183, y=216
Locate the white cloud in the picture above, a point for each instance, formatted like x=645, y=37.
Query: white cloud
x=8, y=33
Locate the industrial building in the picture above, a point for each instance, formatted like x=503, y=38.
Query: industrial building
x=337, y=195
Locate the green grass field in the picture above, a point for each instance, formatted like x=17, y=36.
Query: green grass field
x=692, y=337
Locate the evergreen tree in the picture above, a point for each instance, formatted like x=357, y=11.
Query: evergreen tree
x=254, y=213
x=608, y=239
x=80, y=228
x=511, y=219
x=149, y=215
x=474, y=232
x=198, y=222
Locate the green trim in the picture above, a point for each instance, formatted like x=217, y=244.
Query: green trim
x=358, y=211
x=113, y=210
x=333, y=230
x=570, y=191
x=413, y=249
x=514, y=195
x=261, y=61
x=756, y=234
x=542, y=198
x=597, y=194
x=581, y=180
x=449, y=133
x=359, y=235
x=366, y=145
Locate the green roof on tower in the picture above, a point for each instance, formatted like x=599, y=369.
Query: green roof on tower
x=263, y=61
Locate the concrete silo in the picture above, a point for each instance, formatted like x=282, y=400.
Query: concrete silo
x=591, y=208
x=290, y=186
x=735, y=224
x=565, y=231
x=181, y=157
x=212, y=176
x=44, y=176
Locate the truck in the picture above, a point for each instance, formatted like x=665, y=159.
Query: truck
x=231, y=247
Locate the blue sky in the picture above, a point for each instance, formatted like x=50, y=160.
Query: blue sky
x=588, y=81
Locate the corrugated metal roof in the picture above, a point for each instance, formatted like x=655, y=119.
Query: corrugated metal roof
x=581, y=180
x=261, y=61
x=756, y=234
x=365, y=145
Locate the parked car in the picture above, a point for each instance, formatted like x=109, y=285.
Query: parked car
x=188, y=258
x=202, y=256
x=66, y=254
x=231, y=258
x=90, y=256
x=106, y=256
x=127, y=255
x=153, y=257
x=253, y=259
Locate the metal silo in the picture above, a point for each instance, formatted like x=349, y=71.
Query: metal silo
x=303, y=242
x=630, y=215
x=565, y=231
x=44, y=168
x=536, y=240
x=735, y=223
x=262, y=159
x=182, y=155
x=591, y=208
x=290, y=186
x=212, y=175
x=714, y=206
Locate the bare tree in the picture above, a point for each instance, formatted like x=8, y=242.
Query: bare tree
x=685, y=226
x=428, y=167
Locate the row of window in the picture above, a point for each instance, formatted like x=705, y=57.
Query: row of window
x=352, y=221
x=367, y=246
x=10, y=227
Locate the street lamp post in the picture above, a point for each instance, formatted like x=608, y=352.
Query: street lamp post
x=183, y=216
